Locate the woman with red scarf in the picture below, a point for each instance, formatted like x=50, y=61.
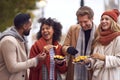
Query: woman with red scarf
x=105, y=60
x=47, y=43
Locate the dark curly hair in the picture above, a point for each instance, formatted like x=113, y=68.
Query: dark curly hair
x=57, y=27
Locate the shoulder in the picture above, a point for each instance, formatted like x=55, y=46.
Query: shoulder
x=116, y=41
x=117, y=38
x=39, y=43
x=76, y=26
x=7, y=41
x=8, y=38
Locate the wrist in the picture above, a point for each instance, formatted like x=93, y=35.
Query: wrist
x=102, y=57
x=37, y=60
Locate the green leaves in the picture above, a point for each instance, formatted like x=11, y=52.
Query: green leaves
x=9, y=8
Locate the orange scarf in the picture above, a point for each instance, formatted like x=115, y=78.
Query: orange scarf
x=107, y=36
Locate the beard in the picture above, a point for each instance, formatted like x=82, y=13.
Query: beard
x=26, y=32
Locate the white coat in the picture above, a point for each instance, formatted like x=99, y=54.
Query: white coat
x=110, y=68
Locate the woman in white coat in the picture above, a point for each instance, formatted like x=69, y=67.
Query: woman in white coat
x=105, y=60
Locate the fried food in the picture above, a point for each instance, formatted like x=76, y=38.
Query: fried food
x=79, y=59
x=59, y=57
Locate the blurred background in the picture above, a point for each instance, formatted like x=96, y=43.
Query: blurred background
x=63, y=10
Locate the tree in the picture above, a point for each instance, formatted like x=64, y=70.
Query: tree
x=9, y=8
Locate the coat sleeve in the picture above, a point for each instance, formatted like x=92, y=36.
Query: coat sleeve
x=67, y=41
x=113, y=60
x=9, y=47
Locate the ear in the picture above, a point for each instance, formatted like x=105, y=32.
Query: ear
x=24, y=27
x=92, y=18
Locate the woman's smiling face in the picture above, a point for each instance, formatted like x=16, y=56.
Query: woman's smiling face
x=105, y=22
x=47, y=32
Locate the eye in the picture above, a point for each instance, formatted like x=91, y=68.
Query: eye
x=106, y=18
x=102, y=19
x=47, y=28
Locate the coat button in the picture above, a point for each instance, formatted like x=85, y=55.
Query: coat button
x=23, y=76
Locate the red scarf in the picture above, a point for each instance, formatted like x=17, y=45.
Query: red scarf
x=107, y=36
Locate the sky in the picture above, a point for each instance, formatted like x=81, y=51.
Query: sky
x=65, y=11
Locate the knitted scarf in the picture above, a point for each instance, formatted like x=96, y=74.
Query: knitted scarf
x=107, y=36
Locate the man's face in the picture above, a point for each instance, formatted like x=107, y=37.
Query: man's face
x=85, y=22
x=27, y=28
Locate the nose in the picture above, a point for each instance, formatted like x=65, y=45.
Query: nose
x=82, y=24
x=45, y=30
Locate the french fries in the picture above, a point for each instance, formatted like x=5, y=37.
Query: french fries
x=79, y=59
x=59, y=57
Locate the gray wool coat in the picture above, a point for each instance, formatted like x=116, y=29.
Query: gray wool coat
x=14, y=61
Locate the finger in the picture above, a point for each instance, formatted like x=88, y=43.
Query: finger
x=59, y=62
x=93, y=55
x=81, y=62
x=44, y=54
x=44, y=47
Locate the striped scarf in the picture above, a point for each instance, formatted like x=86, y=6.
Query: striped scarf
x=52, y=64
x=52, y=68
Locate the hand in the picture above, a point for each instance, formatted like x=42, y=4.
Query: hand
x=41, y=56
x=59, y=62
x=72, y=51
x=98, y=56
x=87, y=61
x=84, y=62
x=47, y=48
